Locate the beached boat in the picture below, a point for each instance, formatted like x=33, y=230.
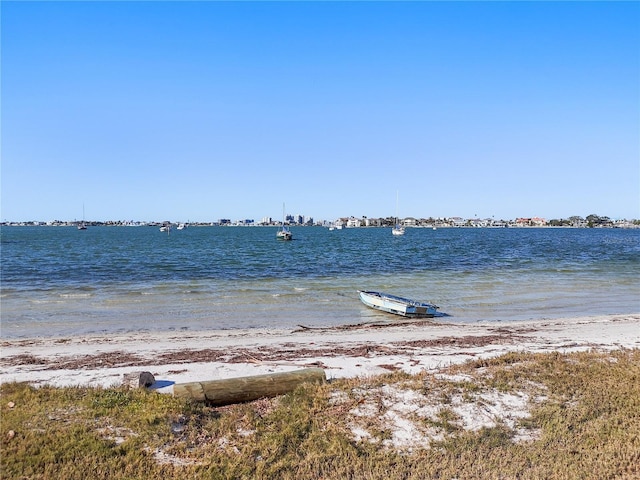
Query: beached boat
x=397, y=305
x=284, y=233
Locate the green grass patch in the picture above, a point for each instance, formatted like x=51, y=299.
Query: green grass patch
x=582, y=421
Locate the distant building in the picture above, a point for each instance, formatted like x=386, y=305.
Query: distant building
x=353, y=222
x=530, y=222
x=457, y=221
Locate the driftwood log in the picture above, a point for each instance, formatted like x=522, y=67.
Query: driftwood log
x=138, y=380
x=246, y=389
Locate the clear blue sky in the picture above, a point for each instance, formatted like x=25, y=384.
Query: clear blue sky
x=206, y=110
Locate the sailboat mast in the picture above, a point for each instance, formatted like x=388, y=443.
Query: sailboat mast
x=397, y=206
x=82, y=225
x=397, y=228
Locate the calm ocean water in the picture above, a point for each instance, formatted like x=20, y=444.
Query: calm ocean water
x=61, y=281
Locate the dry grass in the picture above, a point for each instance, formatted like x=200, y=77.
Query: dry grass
x=524, y=416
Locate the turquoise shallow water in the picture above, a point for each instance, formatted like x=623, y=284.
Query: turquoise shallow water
x=61, y=281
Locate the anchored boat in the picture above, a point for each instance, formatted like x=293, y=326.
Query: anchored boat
x=397, y=305
x=284, y=233
x=397, y=229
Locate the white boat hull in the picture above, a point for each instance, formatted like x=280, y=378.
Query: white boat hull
x=284, y=235
x=397, y=305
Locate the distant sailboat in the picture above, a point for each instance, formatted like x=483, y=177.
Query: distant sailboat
x=284, y=233
x=397, y=228
x=82, y=225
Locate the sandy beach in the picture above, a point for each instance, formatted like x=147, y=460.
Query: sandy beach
x=360, y=350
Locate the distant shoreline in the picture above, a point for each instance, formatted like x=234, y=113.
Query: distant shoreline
x=623, y=224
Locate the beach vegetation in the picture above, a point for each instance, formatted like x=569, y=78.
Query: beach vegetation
x=521, y=415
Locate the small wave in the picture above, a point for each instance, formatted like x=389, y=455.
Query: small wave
x=38, y=301
x=75, y=295
x=193, y=292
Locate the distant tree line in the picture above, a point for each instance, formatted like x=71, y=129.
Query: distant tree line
x=592, y=221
